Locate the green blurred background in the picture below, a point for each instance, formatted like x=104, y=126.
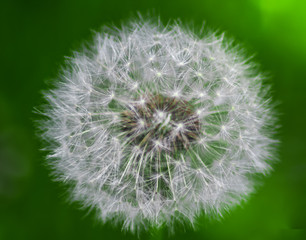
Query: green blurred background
x=35, y=37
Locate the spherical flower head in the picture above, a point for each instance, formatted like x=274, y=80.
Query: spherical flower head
x=153, y=124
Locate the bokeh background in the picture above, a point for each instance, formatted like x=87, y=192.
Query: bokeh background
x=35, y=36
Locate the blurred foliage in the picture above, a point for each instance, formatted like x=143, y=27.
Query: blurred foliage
x=35, y=37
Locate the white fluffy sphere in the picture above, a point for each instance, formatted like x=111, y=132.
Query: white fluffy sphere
x=153, y=124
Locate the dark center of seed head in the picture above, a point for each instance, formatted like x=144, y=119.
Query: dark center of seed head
x=160, y=123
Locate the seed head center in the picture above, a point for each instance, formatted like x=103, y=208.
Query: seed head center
x=160, y=123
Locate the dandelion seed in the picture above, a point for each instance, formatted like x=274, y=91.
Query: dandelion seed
x=141, y=136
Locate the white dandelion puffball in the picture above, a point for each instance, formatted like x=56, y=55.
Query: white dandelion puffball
x=154, y=124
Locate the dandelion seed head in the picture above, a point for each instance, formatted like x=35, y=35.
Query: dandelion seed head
x=154, y=124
